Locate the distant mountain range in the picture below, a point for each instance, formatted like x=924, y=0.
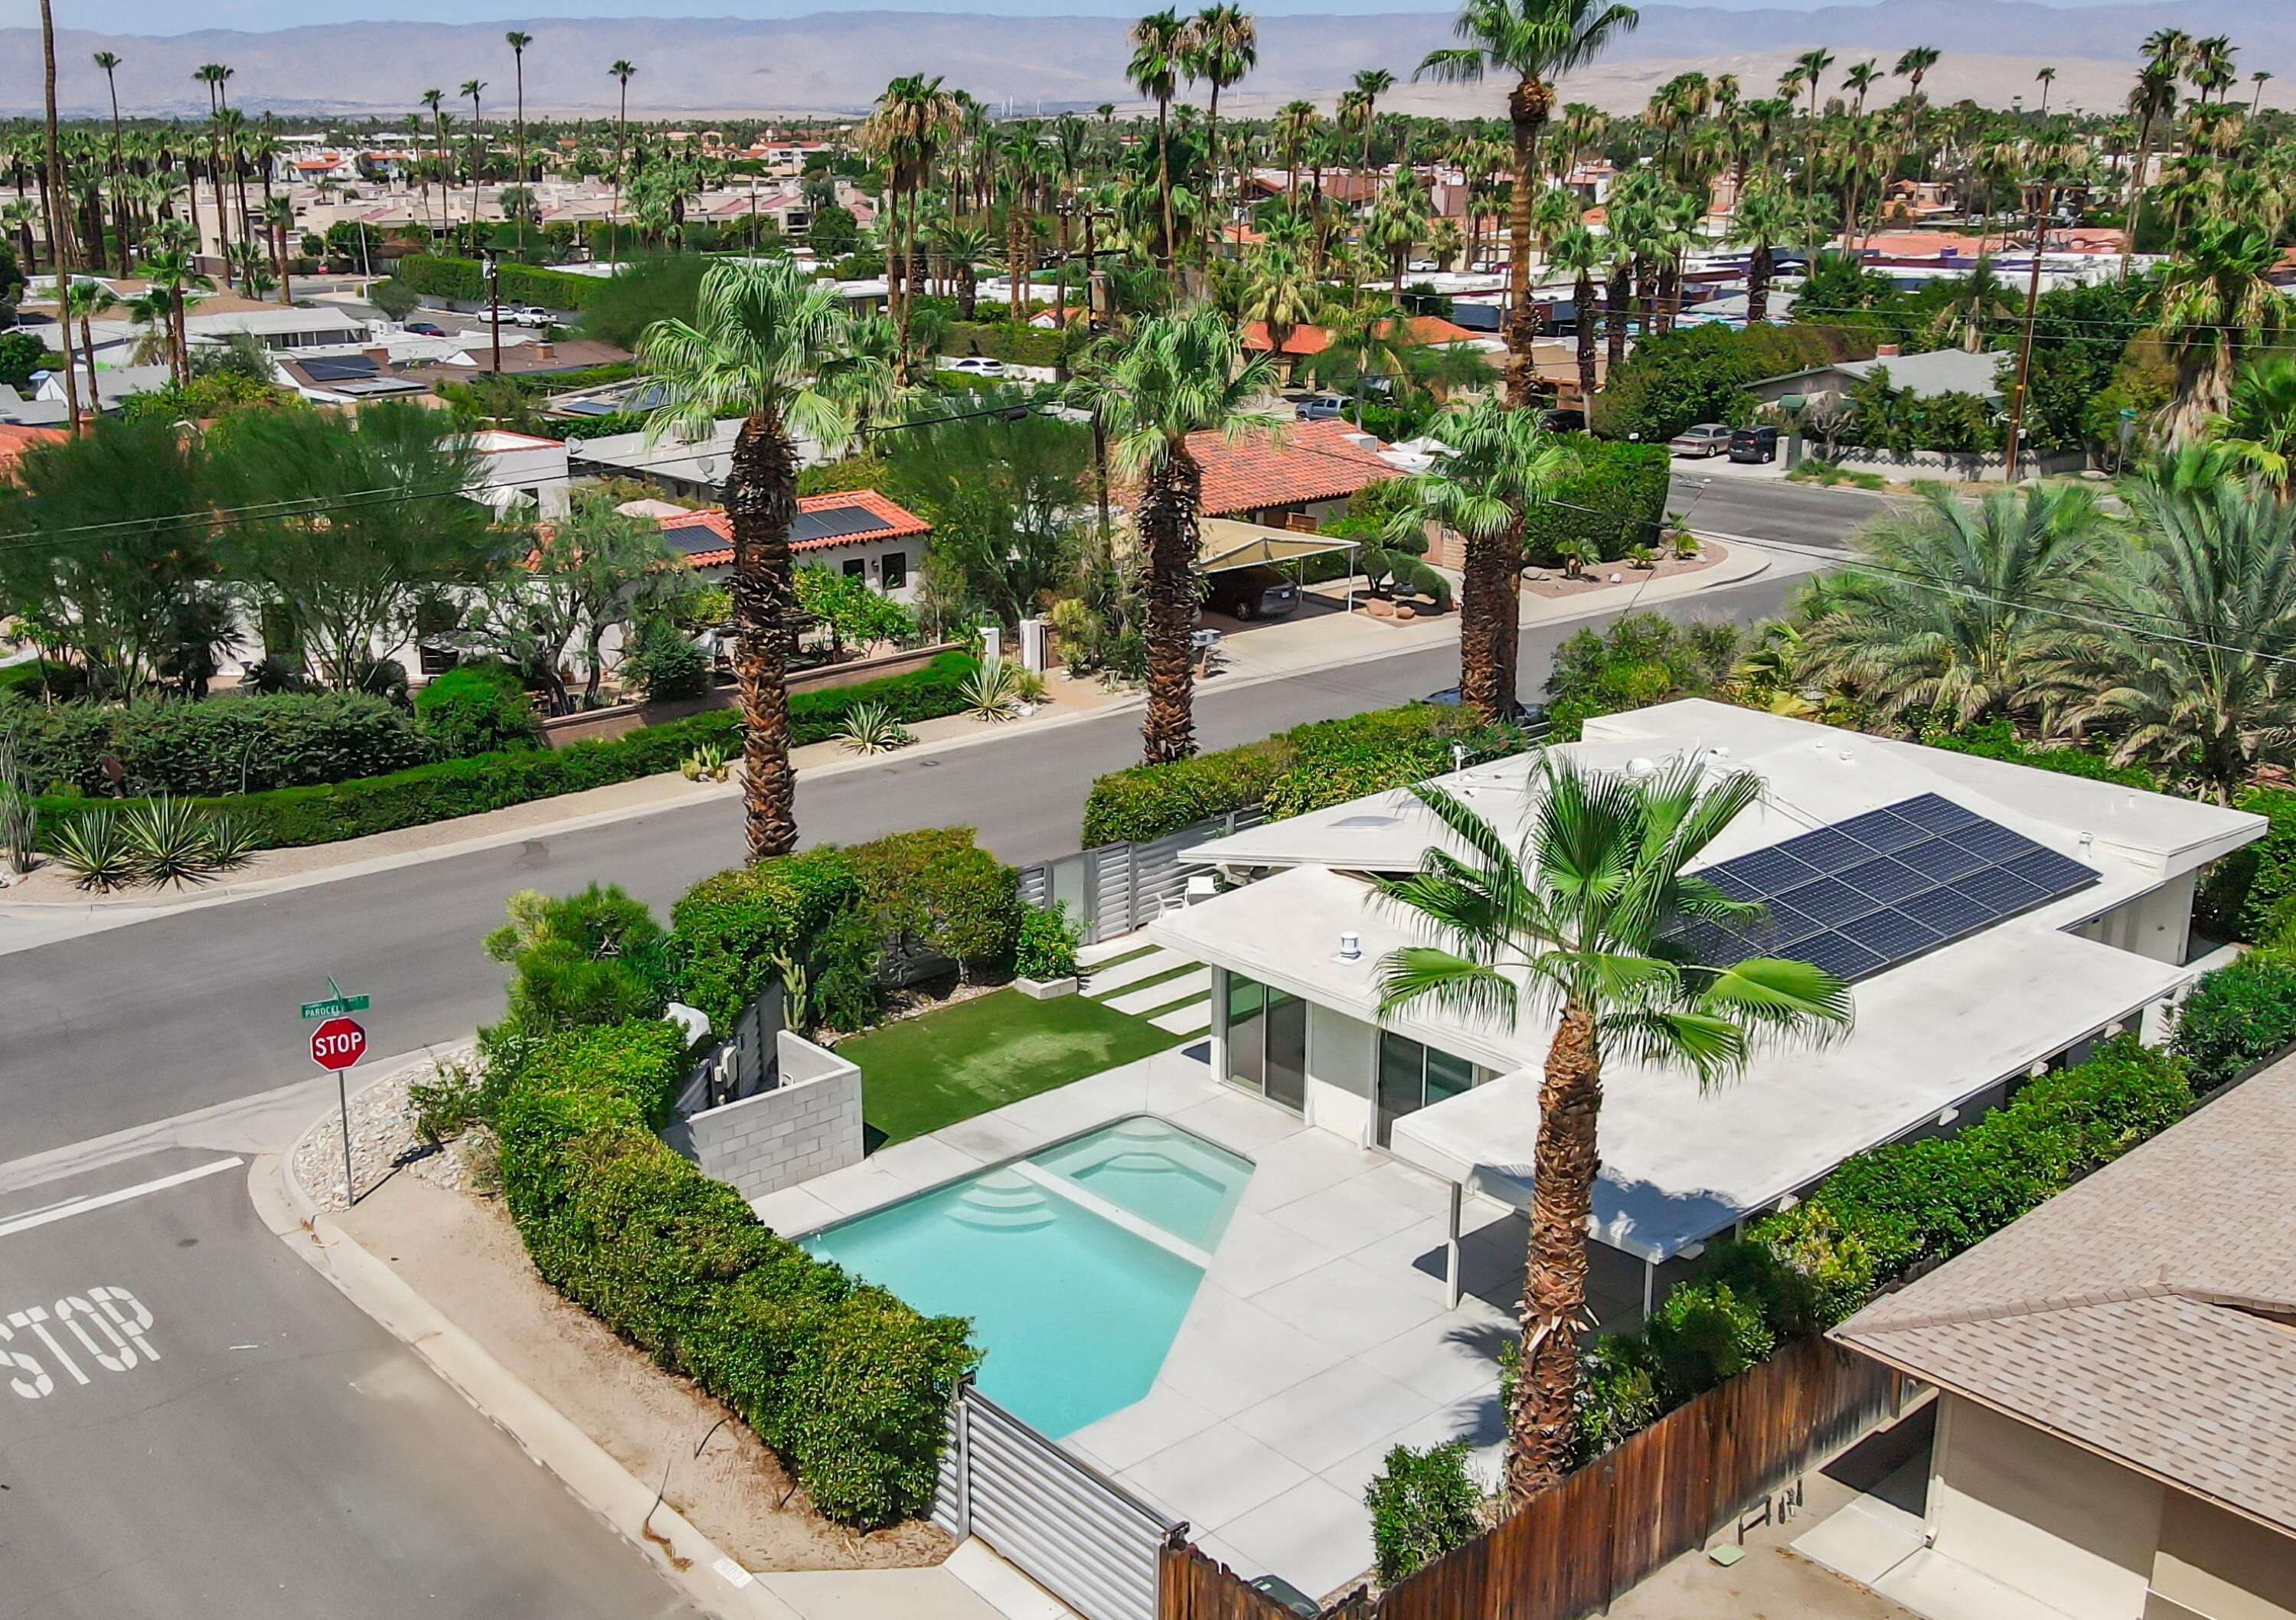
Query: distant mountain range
x=836, y=61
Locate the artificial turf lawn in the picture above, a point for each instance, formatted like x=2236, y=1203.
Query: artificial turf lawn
x=926, y=1072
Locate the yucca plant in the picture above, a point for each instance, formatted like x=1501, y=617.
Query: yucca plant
x=230, y=842
x=991, y=692
x=169, y=840
x=870, y=728
x=95, y=849
x=1030, y=686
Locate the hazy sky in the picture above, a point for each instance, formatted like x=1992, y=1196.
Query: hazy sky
x=174, y=17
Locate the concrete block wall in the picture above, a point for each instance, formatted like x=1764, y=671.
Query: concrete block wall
x=808, y=1126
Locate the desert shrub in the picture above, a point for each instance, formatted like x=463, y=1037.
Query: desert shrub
x=598, y=957
x=477, y=709
x=1636, y=660
x=220, y=745
x=1423, y=1503
x=1702, y=1333
x=662, y=664
x=848, y=1384
x=1615, y=500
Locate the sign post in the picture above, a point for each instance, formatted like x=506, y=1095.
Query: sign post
x=336, y=1044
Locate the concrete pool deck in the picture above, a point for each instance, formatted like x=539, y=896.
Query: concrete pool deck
x=1317, y=1340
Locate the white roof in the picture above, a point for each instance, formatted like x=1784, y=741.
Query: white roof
x=1931, y=1032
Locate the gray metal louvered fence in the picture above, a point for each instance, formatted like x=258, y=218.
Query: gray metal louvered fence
x=1115, y=888
x=1069, y=1527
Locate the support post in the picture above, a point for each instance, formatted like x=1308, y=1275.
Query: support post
x=1452, y=1284
x=964, y=1409
x=1650, y=1288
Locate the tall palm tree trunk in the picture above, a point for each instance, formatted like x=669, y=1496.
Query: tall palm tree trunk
x=1583, y=295
x=1528, y=104
x=1167, y=524
x=1164, y=177
x=52, y=192
x=1543, y=1423
x=760, y=504
x=1617, y=311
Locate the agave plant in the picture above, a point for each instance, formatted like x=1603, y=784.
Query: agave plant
x=95, y=849
x=992, y=692
x=870, y=728
x=708, y=759
x=170, y=841
x=230, y=843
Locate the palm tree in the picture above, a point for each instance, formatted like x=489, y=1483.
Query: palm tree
x=1957, y=607
x=1283, y=295
x=775, y=348
x=1914, y=65
x=1397, y=222
x=53, y=187
x=1535, y=42
x=1764, y=216
x=2260, y=425
x=1577, y=251
x=1363, y=342
x=2189, y=665
x=2217, y=300
x=1500, y=461
x=1223, y=46
x=2153, y=102
x=1371, y=84
x=913, y=116
x=85, y=301
x=278, y=223
x=1576, y=924
x=621, y=72
x=1159, y=46
x=1148, y=390
x=435, y=100
x=109, y=60
x=471, y=87
x=517, y=40
x=171, y=267
x=1973, y=300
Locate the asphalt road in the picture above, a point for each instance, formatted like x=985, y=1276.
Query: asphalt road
x=1767, y=509
x=146, y=1022
x=260, y=1449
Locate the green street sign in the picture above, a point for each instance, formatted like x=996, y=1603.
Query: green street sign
x=336, y=1004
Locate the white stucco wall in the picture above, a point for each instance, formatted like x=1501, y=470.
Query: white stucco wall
x=2157, y=924
x=2217, y=1564
x=2049, y=1519
x=1342, y=1069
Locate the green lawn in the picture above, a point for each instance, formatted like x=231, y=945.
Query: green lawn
x=923, y=1073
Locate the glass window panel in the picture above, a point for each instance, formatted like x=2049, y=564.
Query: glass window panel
x=1447, y=1075
x=1402, y=1079
x=1286, y=1068
x=1246, y=1031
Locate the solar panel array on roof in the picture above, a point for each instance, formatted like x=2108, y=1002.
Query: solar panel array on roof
x=693, y=537
x=833, y=521
x=337, y=368
x=1871, y=892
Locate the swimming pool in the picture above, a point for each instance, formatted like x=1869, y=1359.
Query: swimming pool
x=1076, y=1264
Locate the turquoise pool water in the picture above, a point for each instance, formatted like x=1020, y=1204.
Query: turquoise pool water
x=1076, y=1264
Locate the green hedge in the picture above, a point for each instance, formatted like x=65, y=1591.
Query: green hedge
x=848, y=1384
x=1877, y=1215
x=290, y=817
x=2248, y=893
x=1021, y=344
x=1995, y=739
x=1323, y=763
x=1615, y=502
x=2237, y=1018
x=466, y=279
x=217, y=745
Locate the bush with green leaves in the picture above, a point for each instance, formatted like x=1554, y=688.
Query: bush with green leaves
x=1325, y=762
x=661, y=666
x=1702, y=1333
x=2237, y=1018
x=846, y=1383
x=936, y=891
x=2250, y=894
x=465, y=279
x=598, y=957
x=1636, y=659
x=1998, y=739
x=726, y=930
x=477, y=709
x=217, y=745
x=1423, y=1504
x=1045, y=946
x=1614, y=501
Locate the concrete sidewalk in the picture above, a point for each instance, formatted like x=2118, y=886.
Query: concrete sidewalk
x=973, y=1584
x=49, y=909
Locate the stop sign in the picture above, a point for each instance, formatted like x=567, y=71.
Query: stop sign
x=337, y=1043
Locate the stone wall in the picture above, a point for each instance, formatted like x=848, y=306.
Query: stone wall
x=808, y=1124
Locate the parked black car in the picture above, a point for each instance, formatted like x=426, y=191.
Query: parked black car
x=1754, y=443
x=1564, y=421
x=1254, y=591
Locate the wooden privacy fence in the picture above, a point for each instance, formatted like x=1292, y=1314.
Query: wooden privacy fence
x=1574, y=1548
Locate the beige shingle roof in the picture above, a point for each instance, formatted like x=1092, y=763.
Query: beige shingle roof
x=2149, y=1313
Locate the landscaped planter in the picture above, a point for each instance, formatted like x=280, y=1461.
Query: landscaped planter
x=1045, y=989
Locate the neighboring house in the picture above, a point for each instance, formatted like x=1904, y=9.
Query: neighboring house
x=2116, y=1430
x=525, y=476
x=1303, y=341
x=1290, y=480
x=16, y=411
x=16, y=439
x=1996, y=921
x=857, y=532
x=1940, y=371
x=114, y=384
x=694, y=470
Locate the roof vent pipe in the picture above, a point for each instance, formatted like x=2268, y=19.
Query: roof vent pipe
x=1350, y=947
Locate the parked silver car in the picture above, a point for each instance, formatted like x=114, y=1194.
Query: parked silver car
x=1707, y=438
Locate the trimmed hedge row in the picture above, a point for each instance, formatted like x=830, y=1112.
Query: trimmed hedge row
x=2251, y=893
x=217, y=745
x=845, y=1382
x=1995, y=739
x=1615, y=502
x=1877, y=1215
x=466, y=279
x=1311, y=766
x=291, y=817
x=2239, y=1016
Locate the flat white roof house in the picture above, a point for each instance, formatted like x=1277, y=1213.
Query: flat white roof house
x=1994, y=921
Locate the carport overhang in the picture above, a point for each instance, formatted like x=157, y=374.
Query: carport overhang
x=1230, y=542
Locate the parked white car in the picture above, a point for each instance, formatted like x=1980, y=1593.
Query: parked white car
x=977, y=365
x=529, y=315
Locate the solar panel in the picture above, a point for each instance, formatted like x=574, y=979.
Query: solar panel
x=337, y=368
x=1879, y=888
x=833, y=521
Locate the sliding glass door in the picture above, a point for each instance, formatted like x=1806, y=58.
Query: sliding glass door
x=1268, y=1041
x=1413, y=1077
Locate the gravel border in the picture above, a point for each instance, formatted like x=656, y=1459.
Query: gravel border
x=382, y=1129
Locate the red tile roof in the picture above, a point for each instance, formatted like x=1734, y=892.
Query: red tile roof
x=896, y=521
x=15, y=439
x=1302, y=340
x=1314, y=461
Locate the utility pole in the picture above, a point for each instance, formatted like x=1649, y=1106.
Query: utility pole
x=2048, y=192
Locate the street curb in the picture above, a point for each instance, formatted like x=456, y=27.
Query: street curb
x=695, y=1565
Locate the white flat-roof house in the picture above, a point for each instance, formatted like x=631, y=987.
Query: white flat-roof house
x=1994, y=919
